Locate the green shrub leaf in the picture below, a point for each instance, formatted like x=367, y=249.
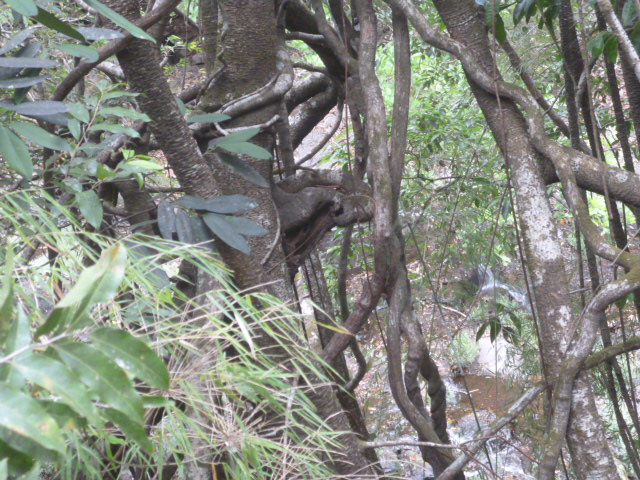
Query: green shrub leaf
x=91, y=207
x=26, y=427
x=15, y=153
x=102, y=376
x=56, y=377
x=225, y=231
x=223, y=204
x=243, y=169
x=80, y=51
x=133, y=355
x=28, y=8
x=208, y=118
x=39, y=135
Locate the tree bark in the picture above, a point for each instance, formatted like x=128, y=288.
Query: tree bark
x=589, y=448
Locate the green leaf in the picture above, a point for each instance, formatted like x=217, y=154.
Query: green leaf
x=506, y=209
x=90, y=207
x=51, y=21
x=23, y=82
x=132, y=430
x=523, y=8
x=6, y=299
x=27, y=427
x=17, y=39
x=236, y=137
x=481, y=331
x=245, y=226
x=208, y=118
x=74, y=128
x=80, y=51
x=246, y=148
x=166, y=219
x=125, y=112
x=28, y=8
x=145, y=164
x=596, y=45
x=103, y=172
x=183, y=227
x=611, y=48
x=225, y=231
x=56, y=377
x=18, y=463
x=222, y=204
x=16, y=153
x=156, y=401
x=4, y=469
x=103, y=377
x=24, y=62
x=96, y=284
x=500, y=30
x=18, y=338
x=113, y=128
x=120, y=20
x=79, y=110
x=629, y=14
x=243, y=169
x=39, y=135
x=100, y=282
x=65, y=416
x=44, y=107
x=133, y=355
x=494, y=330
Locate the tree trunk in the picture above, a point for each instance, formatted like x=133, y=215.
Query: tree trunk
x=589, y=448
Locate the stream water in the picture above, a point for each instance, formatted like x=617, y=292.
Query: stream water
x=490, y=394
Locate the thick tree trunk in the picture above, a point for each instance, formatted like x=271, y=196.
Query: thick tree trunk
x=251, y=61
x=586, y=438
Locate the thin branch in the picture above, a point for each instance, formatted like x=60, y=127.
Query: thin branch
x=325, y=139
x=514, y=410
x=612, y=351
